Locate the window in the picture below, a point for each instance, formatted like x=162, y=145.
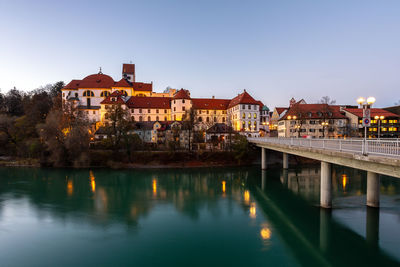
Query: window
x=208, y=119
x=140, y=110
x=200, y=119
x=309, y=114
x=208, y=112
x=76, y=94
x=311, y=130
x=157, y=111
x=249, y=115
x=133, y=118
x=88, y=93
x=249, y=106
x=148, y=111
x=63, y=94
x=124, y=93
x=255, y=125
x=157, y=119
x=183, y=101
x=165, y=111
x=174, y=101
x=105, y=93
x=183, y=108
x=312, y=122
x=148, y=118
x=244, y=125
x=165, y=118
x=174, y=108
x=244, y=116
x=140, y=118
x=174, y=117
x=243, y=106
x=215, y=112
x=255, y=107
x=87, y=112
x=106, y=107
x=94, y=112
x=107, y=116
x=255, y=115
x=223, y=119
x=215, y=119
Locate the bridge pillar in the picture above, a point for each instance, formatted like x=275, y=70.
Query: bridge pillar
x=373, y=189
x=285, y=160
x=263, y=158
x=326, y=185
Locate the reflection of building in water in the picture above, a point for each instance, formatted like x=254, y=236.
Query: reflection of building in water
x=92, y=181
x=70, y=188
x=306, y=182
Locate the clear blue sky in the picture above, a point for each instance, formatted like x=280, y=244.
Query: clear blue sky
x=274, y=49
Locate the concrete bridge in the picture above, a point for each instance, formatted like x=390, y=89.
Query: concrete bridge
x=376, y=156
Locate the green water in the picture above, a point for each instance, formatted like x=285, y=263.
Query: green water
x=194, y=217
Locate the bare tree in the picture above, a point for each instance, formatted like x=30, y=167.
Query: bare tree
x=118, y=124
x=189, y=122
x=327, y=100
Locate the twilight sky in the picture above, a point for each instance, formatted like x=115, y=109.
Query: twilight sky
x=274, y=49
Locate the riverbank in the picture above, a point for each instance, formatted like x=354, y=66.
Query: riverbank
x=162, y=160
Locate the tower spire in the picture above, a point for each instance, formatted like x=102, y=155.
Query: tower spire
x=100, y=71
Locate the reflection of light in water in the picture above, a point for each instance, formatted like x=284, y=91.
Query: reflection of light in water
x=344, y=181
x=246, y=196
x=253, y=210
x=92, y=181
x=154, y=187
x=70, y=188
x=265, y=233
x=223, y=186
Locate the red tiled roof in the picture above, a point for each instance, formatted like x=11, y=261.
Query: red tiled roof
x=142, y=86
x=122, y=83
x=97, y=81
x=149, y=102
x=280, y=110
x=74, y=84
x=182, y=94
x=207, y=103
x=243, y=98
x=314, y=111
x=374, y=112
x=128, y=68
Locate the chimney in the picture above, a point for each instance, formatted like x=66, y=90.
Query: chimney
x=213, y=97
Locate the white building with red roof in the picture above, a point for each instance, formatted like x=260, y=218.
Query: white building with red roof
x=95, y=93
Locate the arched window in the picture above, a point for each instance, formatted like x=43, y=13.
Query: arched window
x=244, y=115
x=157, y=118
x=133, y=118
x=140, y=118
x=165, y=118
x=88, y=93
x=148, y=118
x=208, y=119
x=124, y=93
x=105, y=93
x=200, y=119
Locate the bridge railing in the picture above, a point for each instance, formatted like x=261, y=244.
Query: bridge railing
x=389, y=147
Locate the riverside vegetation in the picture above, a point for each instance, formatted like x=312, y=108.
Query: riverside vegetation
x=36, y=130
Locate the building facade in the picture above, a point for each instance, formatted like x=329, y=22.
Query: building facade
x=96, y=93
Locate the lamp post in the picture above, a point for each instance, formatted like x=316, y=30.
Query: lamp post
x=366, y=106
x=379, y=119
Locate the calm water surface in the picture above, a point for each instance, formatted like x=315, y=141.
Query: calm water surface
x=196, y=217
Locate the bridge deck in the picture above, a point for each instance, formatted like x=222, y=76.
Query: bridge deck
x=380, y=156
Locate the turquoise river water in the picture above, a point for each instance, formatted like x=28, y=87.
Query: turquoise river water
x=194, y=217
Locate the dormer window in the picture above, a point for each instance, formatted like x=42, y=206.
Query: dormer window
x=330, y=114
x=113, y=99
x=319, y=114
x=309, y=114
